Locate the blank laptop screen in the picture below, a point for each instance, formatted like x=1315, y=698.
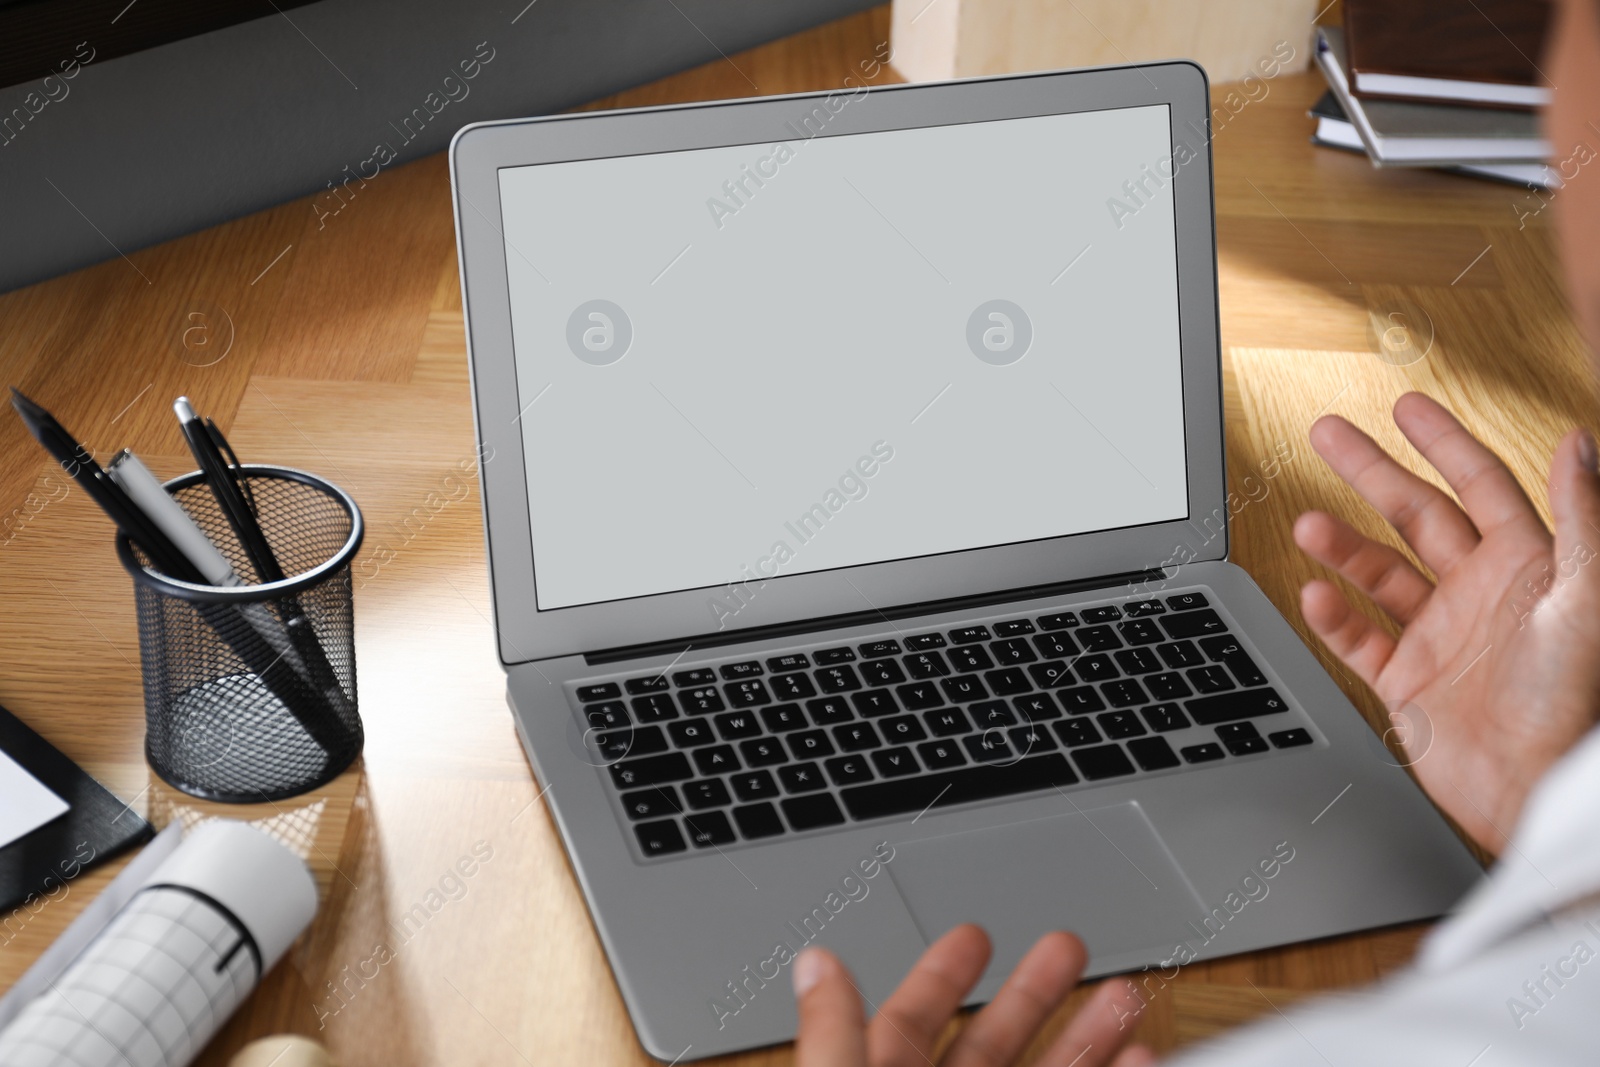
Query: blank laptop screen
x=782, y=358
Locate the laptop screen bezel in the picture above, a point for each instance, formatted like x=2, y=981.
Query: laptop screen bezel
x=480, y=151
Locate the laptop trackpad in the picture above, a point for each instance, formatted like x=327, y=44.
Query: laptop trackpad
x=1104, y=874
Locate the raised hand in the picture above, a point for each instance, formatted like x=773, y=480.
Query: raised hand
x=1496, y=672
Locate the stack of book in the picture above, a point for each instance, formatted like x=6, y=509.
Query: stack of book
x=1439, y=83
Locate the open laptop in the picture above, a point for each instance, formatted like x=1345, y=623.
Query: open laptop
x=854, y=485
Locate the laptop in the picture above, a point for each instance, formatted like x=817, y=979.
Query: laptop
x=853, y=479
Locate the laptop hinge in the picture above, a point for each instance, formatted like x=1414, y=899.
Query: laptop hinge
x=855, y=618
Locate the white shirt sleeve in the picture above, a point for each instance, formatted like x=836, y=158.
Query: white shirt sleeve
x=1513, y=978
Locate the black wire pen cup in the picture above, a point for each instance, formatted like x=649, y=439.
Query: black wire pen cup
x=250, y=690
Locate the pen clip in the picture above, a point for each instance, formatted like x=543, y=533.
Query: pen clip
x=235, y=468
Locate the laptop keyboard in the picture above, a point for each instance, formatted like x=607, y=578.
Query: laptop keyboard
x=708, y=756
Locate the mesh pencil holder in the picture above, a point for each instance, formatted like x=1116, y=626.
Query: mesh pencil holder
x=250, y=690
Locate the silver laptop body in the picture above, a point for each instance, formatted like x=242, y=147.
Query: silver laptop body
x=853, y=476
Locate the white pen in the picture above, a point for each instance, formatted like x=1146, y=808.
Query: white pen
x=147, y=492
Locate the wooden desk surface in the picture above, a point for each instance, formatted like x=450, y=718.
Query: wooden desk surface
x=339, y=349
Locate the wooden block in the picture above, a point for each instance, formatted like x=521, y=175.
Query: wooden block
x=1232, y=39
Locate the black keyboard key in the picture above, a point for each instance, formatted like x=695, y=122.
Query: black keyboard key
x=660, y=838
x=1099, y=639
x=707, y=793
x=912, y=796
x=1165, y=717
x=991, y=746
x=829, y=656
x=963, y=689
x=1203, y=753
x=1201, y=623
x=895, y=762
x=653, y=684
x=810, y=744
x=879, y=649
x=1125, y=693
x=696, y=677
x=918, y=695
x=1120, y=724
x=599, y=691
x=718, y=759
x=1242, y=704
x=967, y=635
x=763, y=752
x=747, y=694
x=651, y=803
x=849, y=770
x=1210, y=679
x=613, y=745
x=946, y=722
x=737, y=724
x=926, y=665
x=1104, y=761
x=794, y=661
x=700, y=701
x=1097, y=668
x=1153, y=753
x=923, y=642
x=1137, y=661
x=801, y=778
x=1013, y=653
x=1103, y=614
x=1180, y=654
x=970, y=658
x=1056, y=646
x=1187, y=601
x=709, y=828
x=809, y=813
x=1248, y=746
x=691, y=732
x=1075, y=733
x=1080, y=700
x=855, y=737
x=1168, y=686
x=837, y=679
x=829, y=710
x=651, y=770
x=1136, y=608
x=732, y=672
x=1013, y=628
x=1051, y=674
x=992, y=713
x=792, y=686
x=1227, y=650
x=1140, y=632
x=606, y=716
x=1059, y=621
x=903, y=729
x=754, y=785
x=758, y=820
x=1009, y=681
x=783, y=717
x=1234, y=731
x=941, y=754
x=1030, y=740
x=1036, y=707
x=874, y=702
x=1290, y=738
x=654, y=708
x=882, y=672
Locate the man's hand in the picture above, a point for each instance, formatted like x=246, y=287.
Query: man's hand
x=1496, y=672
x=906, y=1030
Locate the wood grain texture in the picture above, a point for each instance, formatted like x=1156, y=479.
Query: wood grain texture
x=347, y=358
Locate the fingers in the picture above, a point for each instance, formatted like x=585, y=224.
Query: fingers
x=1376, y=569
x=1426, y=517
x=1575, y=500
x=1097, y=1034
x=1353, y=637
x=1486, y=486
x=999, y=1033
x=1135, y=1056
x=909, y=1023
x=832, y=1026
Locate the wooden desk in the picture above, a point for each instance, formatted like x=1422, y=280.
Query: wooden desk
x=339, y=349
